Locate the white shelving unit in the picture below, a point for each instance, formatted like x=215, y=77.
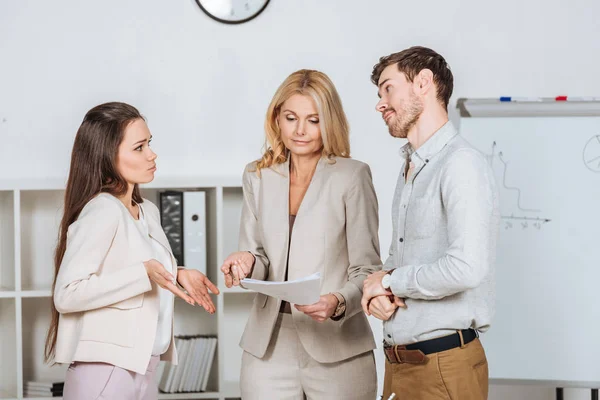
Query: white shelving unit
x=30, y=213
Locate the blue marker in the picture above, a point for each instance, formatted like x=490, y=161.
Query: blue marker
x=519, y=99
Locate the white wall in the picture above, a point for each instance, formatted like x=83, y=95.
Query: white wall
x=204, y=86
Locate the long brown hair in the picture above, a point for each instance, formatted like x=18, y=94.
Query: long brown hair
x=93, y=170
x=335, y=130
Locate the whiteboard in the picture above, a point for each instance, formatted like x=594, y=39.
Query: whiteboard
x=547, y=321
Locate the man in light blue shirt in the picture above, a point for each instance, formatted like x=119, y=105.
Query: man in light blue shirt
x=436, y=291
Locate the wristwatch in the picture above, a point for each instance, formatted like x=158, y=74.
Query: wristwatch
x=386, y=281
x=341, y=307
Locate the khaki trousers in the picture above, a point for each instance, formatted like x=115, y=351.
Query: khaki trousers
x=456, y=374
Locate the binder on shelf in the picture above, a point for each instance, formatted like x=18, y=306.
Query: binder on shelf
x=185, y=353
x=43, y=389
x=209, y=362
x=183, y=218
x=171, y=219
x=194, y=230
x=195, y=364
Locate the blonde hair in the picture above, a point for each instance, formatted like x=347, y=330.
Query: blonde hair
x=333, y=122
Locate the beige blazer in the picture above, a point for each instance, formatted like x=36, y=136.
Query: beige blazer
x=108, y=306
x=335, y=233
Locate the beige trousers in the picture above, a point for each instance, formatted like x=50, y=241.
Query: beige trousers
x=100, y=381
x=287, y=372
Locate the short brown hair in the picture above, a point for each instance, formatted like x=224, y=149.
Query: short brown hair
x=415, y=59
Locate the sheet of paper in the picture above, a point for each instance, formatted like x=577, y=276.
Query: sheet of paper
x=302, y=291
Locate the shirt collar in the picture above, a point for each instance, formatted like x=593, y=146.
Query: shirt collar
x=432, y=146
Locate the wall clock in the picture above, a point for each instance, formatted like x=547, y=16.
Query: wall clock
x=233, y=11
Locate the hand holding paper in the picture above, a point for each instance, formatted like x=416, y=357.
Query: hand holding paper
x=302, y=291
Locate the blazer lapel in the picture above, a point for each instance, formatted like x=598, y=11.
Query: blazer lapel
x=308, y=216
x=275, y=195
x=275, y=198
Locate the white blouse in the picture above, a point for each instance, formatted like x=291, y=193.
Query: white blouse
x=165, y=314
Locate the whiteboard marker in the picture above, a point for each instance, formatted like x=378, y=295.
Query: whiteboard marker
x=586, y=98
x=519, y=99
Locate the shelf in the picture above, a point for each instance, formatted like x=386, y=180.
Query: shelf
x=7, y=241
x=41, y=212
x=162, y=396
x=36, y=320
x=158, y=183
x=32, y=184
x=42, y=398
x=234, y=290
x=189, y=320
x=30, y=214
x=8, y=351
x=153, y=194
x=186, y=182
x=194, y=320
x=36, y=293
x=236, y=311
x=213, y=258
x=232, y=212
x=184, y=396
x=11, y=294
x=231, y=390
x=7, y=293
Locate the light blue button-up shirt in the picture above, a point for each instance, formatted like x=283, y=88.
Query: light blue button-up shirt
x=445, y=220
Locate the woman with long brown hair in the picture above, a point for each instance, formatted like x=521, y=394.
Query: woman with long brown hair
x=308, y=207
x=115, y=274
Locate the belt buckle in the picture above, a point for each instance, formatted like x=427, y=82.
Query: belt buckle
x=394, y=350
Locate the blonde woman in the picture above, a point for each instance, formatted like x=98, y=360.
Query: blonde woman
x=307, y=208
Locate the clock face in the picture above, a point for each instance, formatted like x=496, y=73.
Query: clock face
x=232, y=11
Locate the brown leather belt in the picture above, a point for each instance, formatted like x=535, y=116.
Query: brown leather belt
x=416, y=353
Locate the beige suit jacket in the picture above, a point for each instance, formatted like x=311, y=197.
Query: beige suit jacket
x=335, y=233
x=108, y=306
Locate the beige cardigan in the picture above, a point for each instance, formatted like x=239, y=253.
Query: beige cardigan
x=108, y=306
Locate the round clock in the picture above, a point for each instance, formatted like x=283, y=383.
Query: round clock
x=232, y=11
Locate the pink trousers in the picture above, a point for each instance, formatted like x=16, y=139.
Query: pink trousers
x=100, y=381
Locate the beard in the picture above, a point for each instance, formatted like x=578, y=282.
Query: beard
x=402, y=123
